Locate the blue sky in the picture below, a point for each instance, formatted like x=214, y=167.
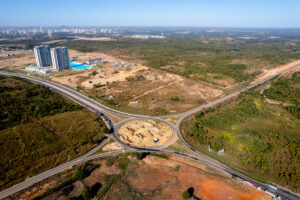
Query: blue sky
x=225, y=13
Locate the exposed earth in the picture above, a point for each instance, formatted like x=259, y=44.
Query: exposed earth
x=21, y=60
x=145, y=133
x=167, y=178
x=270, y=72
x=95, y=38
x=157, y=92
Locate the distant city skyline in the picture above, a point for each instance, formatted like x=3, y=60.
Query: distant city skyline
x=213, y=13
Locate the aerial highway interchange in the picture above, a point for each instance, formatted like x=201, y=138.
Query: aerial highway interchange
x=103, y=111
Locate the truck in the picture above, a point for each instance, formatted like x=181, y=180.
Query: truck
x=274, y=187
x=271, y=194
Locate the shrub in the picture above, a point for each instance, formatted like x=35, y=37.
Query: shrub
x=175, y=99
x=85, y=193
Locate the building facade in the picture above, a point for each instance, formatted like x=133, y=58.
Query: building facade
x=93, y=61
x=42, y=55
x=60, y=58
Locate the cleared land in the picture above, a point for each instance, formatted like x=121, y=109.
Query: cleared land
x=216, y=59
x=40, y=129
x=142, y=133
x=259, y=138
x=157, y=92
x=20, y=61
x=189, y=72
x=123, y=177
x=270, y=72
x=95, y=38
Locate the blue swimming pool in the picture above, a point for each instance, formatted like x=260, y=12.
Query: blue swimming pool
x=76, y=65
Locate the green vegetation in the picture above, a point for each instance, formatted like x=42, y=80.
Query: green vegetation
x=21, y=101
x=175, y=99
x=109, y=181
x=189, y=193
x=200, y=57
x=138, y=77
x=160, y=155
x=94, y=73
x=85, y=193
x=98, y=190
x=186, y=195
x=262, y=139
x=80, y=173
x=40, y=129
x=122, y=161
x=287, y=91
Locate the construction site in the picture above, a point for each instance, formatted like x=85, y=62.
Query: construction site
x=145, y=133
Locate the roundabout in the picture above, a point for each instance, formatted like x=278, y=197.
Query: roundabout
x=145, y=133
x=138, y=133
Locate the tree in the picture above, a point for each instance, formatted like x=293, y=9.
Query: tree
x=189, y=193
x=186, y=195
x=85, y=193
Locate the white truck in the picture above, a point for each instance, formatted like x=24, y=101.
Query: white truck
x=272, y=186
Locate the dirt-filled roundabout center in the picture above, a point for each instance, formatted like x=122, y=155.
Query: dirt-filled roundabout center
x=145, y=133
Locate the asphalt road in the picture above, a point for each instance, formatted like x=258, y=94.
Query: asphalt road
x=101, y=109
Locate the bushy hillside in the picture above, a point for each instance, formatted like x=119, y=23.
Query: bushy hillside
x=40, y=129
x=258, y=137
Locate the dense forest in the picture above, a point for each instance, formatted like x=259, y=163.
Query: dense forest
x=258, y=137
x=40, y=129
x=22, y=101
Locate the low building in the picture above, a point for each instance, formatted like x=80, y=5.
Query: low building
x=93, y=61
x=40, y=70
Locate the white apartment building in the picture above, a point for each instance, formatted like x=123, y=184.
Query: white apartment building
x=60, y=58
x=42, y=55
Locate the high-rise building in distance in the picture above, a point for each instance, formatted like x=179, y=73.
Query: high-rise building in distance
x=42, y=55
x=60, y=58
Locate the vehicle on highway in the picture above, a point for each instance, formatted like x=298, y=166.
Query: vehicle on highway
x=274, y=187
x=270, y=193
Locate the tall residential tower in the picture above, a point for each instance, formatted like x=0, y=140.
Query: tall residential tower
x=42, y=55
x=60, y=58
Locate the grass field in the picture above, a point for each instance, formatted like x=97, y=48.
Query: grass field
x=40, y=129
x=260, y=138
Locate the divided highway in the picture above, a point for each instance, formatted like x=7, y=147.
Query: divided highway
x=101, y=110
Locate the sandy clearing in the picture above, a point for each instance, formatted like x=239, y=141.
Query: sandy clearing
x=89, y=55
x=149, y=91
x=142, y=133
x=22, y=61
x=105, y=74
x=114, y=146
x=153, y=160
x=291, y=72
x=199, y=89
x=96, y=38
x=270, y=72
x=165, y=175
x=120, y=76
x=53, y=41
x=215, y=190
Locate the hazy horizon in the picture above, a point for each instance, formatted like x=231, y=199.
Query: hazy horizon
x=134, y=13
